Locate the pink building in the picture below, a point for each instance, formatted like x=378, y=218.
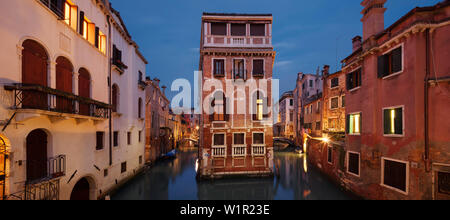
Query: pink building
x=397, y=104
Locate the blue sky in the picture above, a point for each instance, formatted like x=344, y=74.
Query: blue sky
x=306, y=34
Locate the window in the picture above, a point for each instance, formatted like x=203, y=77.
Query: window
x=140, y=108
x=291, y=102
x=258, y=68
x=219, y=29
x=219, y=68
x=257, y=29
x=390, y=63
x=140, y=137
x=291, y=116
x=117, y=58
x=330, y=155
x=129, y=138
x=311, y=83
x=393, y=121
x=239, y=139
x=105, y=172
x=343, y=101
x=318, y=106
x=101, y=42
x=260, y=109
x=116, y=139
x=318, y=126
x=353, y=163
x=219, y=104
x=219, y=139
x=354, y=79
x=140, y=160
x=57, y=6
x=88, y=29
x=395, y=174
x=444, y=183
x=334, y=103
x=238, y=29
x=100, y=140
x=332, y=123
x=239, y=69
x=334, y=83
x=258, y=138
x=71, y=14
x=354, y=124
x=115, y=98
x=123, y=167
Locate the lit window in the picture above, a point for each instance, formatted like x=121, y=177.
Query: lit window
x=71, y=14
x=354, y=124
x=393, y=121
x=102, y=42
x=260, y=114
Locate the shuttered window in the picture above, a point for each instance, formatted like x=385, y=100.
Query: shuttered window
x=353, y=163
x=395, y=174
x=258, y=67
x=219, y=140
x=100, y=140
x=354, y=79
x=219, y=104
x=219, y=29
x=239, y=139
x=257, y=30
x=393, y=121
x=390, y=63
x=219, y=67
x=238, y=29
x=334, y=82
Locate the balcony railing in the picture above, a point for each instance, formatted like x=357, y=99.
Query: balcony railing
x=219, y=151
x=239, y=151
x=258, y=74
x=44, y=98
x=234, y=41
x=258, y=150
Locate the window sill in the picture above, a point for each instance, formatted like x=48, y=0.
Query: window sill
x=354, y=134
x=394, y=189
x=392, y=75
x=355, y=175
x=354, y=89
x=394, y=135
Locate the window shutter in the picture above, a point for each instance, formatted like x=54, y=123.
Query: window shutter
x=347, y=124
x=359, y=78
x=81, y=22
x=397, y=60
x=399, y=121
x=97, y=34
x=348, y=81
x=383, y=66
x=360, y=123
x=238, y=29
x=265, y=107
x=225, y=112
x=387, y=121
x=219, y=29
x=213, y=104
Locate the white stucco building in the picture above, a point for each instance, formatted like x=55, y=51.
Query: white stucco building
x=56, y=100
x=285, y=122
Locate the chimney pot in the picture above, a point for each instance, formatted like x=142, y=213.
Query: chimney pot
x=357, y=42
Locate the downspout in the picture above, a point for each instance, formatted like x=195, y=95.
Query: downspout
x=426, y=98
x=110, y=89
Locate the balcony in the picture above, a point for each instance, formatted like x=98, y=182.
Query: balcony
x=237, y=42
x=258, y=74
x=219, y=151
x=119, y=65
x=37, y=99
x=47, y=187
x=259, y=150
x=239, y=151
x=142, y=84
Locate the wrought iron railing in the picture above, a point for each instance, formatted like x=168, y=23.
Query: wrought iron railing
x=39, y=97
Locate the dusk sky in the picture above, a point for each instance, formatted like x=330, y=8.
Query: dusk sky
x=306, y=34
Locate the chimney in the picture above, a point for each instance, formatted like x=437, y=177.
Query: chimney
x=326, y=71
x=156, y=81
x=164, y=89
x=373, y=17
x=357, y=42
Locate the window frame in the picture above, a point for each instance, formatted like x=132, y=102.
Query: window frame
x=114, y=139
x=360, y=127
x=402, y=45
x=213, y=66
x=331, y=83
x=407, y=163
x=256, y=35
x=225, y=139
x=99, y=148
x=358, y=86
x=258, y=132
x=403, y=121
x=359, y=163
x=331, y=105
x=245, y=139
x=328, y=155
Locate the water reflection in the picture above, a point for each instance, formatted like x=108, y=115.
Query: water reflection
x=175, y=180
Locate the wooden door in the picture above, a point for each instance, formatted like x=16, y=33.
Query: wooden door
x=36, y=155
x=34, y=72
x=81, y=191
x=84, y=90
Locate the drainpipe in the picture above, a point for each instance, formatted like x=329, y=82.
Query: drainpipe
x=110, y=89
x=426, y=94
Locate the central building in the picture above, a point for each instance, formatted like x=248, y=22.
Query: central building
x=236, y=61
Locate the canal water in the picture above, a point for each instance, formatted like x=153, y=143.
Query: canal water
x=175, y=180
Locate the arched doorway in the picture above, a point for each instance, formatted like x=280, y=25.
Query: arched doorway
x=64, y=78
x=84, y=89
x=34, y=72
x=81, y=190
x=36, y=155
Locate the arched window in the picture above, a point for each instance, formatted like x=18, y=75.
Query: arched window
x=140, y=108
x=219, y=104
x=64, y=82
x=260, y=106
x=84, y=90
x=34, y=72
x=115, y=98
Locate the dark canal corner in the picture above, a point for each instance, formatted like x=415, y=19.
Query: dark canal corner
x=176, y=180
